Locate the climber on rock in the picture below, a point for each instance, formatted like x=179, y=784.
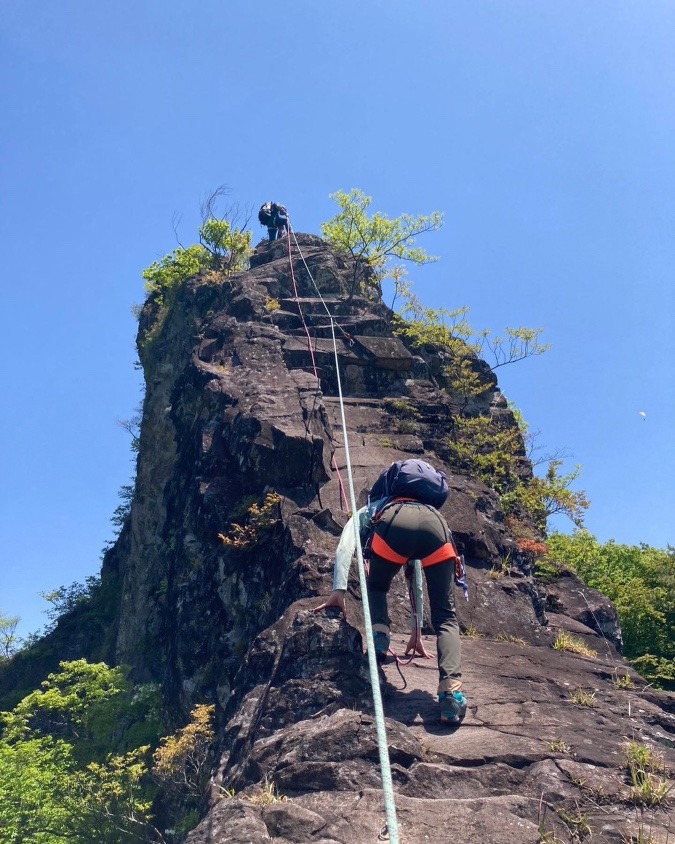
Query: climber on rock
x=275, y=218
x=399, y=524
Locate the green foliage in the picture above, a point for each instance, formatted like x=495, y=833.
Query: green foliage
x=224, y=246
x=479, y=444
x=559, y=746
x=376, y=240
x=180, y=762
x=494, y=452
x=9, y=641
x=584, y=698
x=268, y=795
x=572, y=644
x=623, y=682
x=57, y=781
x=546, y=496
x=123, y=509
x=645, y=769
x=163, y=277
x=36, y=779
x=488, y=450
x=658, y=670
x=91, y=706
x=547, y=570
x=405, y=426
x=259, y=520
x=451, y=330
x=65, y=599
x=401, y=407
x=640, y=580
x=228, y=245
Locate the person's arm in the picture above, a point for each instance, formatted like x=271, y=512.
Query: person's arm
x=343, y=561
x=343, y=555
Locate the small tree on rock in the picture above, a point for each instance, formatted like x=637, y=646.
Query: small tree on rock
x=374, y=241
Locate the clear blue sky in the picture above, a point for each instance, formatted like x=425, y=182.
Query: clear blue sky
x=543, y=129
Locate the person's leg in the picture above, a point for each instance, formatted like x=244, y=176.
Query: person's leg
x=380, y=576
x=272, y=232
x=440, y=584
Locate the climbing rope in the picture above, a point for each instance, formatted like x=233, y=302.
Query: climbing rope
x=383, y=747
x=311, y=277
x=343, y=496
x=390, y=830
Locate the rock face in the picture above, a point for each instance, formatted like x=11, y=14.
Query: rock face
x=242, y=402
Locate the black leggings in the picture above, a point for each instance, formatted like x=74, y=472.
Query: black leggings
x=415, y=531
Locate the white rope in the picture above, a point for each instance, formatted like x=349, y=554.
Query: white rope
x=383, y=747
x=382, y=743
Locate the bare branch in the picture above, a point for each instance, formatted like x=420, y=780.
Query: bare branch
x=176, y=217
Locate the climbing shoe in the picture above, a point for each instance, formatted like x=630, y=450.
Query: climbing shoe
x=381, y=641
x=453, y=707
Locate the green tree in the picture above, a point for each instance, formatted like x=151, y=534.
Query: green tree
x=35, y=790
x=52, y=790
x=92, y=707
x=65, y=599
x=550, y=495
x=224, y=246
x=223, y=232
x=9, y=641
x=640, y=580
x=375, y=241
x=452, y=331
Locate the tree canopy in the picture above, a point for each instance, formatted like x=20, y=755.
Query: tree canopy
x=376, y=240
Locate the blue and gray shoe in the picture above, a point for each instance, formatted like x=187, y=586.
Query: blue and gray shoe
x=381, y=642
x=453, y=707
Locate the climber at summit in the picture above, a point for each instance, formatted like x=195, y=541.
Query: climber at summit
x=275, y=218
x=401, y=523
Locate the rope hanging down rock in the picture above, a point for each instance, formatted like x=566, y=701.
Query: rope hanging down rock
x=391, y=825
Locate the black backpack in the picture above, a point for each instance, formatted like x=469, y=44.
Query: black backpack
x=265, y=214
x=412, y=479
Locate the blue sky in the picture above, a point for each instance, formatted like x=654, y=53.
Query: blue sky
x=543, y=129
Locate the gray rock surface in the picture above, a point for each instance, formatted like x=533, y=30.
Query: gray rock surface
x=241, y=401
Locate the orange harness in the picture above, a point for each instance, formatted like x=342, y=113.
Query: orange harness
x=384, y=550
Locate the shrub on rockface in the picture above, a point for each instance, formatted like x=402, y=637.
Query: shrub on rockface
x=481, y=443
x=162, y=277
x=224, y=248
